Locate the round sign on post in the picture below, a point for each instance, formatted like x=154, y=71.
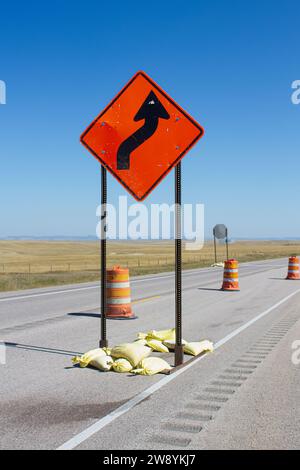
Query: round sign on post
x=220, y=232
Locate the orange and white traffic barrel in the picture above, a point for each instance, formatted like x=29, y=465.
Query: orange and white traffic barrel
x=231, y=275
x=293, y=269
x=118, y=294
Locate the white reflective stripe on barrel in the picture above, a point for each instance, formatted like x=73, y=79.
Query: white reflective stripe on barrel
x=118, y=285
x=227, y=270
x=294, y=264
x=294, y=271
x=123, y=300
x=231, y=280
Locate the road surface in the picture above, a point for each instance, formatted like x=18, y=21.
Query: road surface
x=244, y=395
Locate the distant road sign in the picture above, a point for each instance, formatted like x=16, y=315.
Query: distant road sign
x=141, y=154
x=220, y=231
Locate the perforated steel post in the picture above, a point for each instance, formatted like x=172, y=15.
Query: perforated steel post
x=103, y=340
x=178, y=267
x=215, y=248
x=227, y=255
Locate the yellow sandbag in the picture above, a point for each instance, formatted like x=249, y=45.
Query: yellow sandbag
x=161, y=335
x=196, y=348
x=151, y=366
x=141, y=335
x=89, y=357
x=141, y=341
x=170, y=344
x=103, y=363
x=157, y=345
x=133, y=352
x=121, y=365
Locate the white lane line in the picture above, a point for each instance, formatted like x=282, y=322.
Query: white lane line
x=41, y=294
x=101, y=423
x=76, y=289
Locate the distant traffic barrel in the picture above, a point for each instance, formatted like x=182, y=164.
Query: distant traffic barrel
x=293, y=269
x=118, y=294
x=231, y=275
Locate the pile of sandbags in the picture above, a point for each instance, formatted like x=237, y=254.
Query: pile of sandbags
x=121, y=358
x=165, y=341
x=134, y=357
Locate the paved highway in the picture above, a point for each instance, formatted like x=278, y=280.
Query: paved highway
x=244, y=395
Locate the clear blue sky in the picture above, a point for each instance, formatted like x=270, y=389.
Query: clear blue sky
x=230, y=64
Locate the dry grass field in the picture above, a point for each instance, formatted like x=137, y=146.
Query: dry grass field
x=27, y=264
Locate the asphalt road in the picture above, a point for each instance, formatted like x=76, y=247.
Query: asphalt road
x=244, y=395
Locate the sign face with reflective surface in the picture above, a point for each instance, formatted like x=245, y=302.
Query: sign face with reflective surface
x=141, y=135
x=220, y=231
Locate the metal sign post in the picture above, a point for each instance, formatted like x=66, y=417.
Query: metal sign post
x=215, y=247
x=103, y=339
x=178, y=266
x=227, y=255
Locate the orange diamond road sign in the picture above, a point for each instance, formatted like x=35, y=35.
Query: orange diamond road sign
x=141, y=135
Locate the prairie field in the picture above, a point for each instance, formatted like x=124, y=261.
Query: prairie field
x=28, y=264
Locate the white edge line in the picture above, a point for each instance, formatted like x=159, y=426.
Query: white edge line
x=101, y=423
x=41, y=294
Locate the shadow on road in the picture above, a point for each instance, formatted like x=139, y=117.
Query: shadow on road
x=42, y=349
x=209, y=288
x=97, y=315
x=83, y=314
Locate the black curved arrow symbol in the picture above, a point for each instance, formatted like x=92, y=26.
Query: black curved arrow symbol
x=151, y=110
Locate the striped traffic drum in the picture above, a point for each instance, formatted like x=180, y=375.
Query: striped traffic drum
x=293, y=269
x=231, y=275
x=118, y=294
